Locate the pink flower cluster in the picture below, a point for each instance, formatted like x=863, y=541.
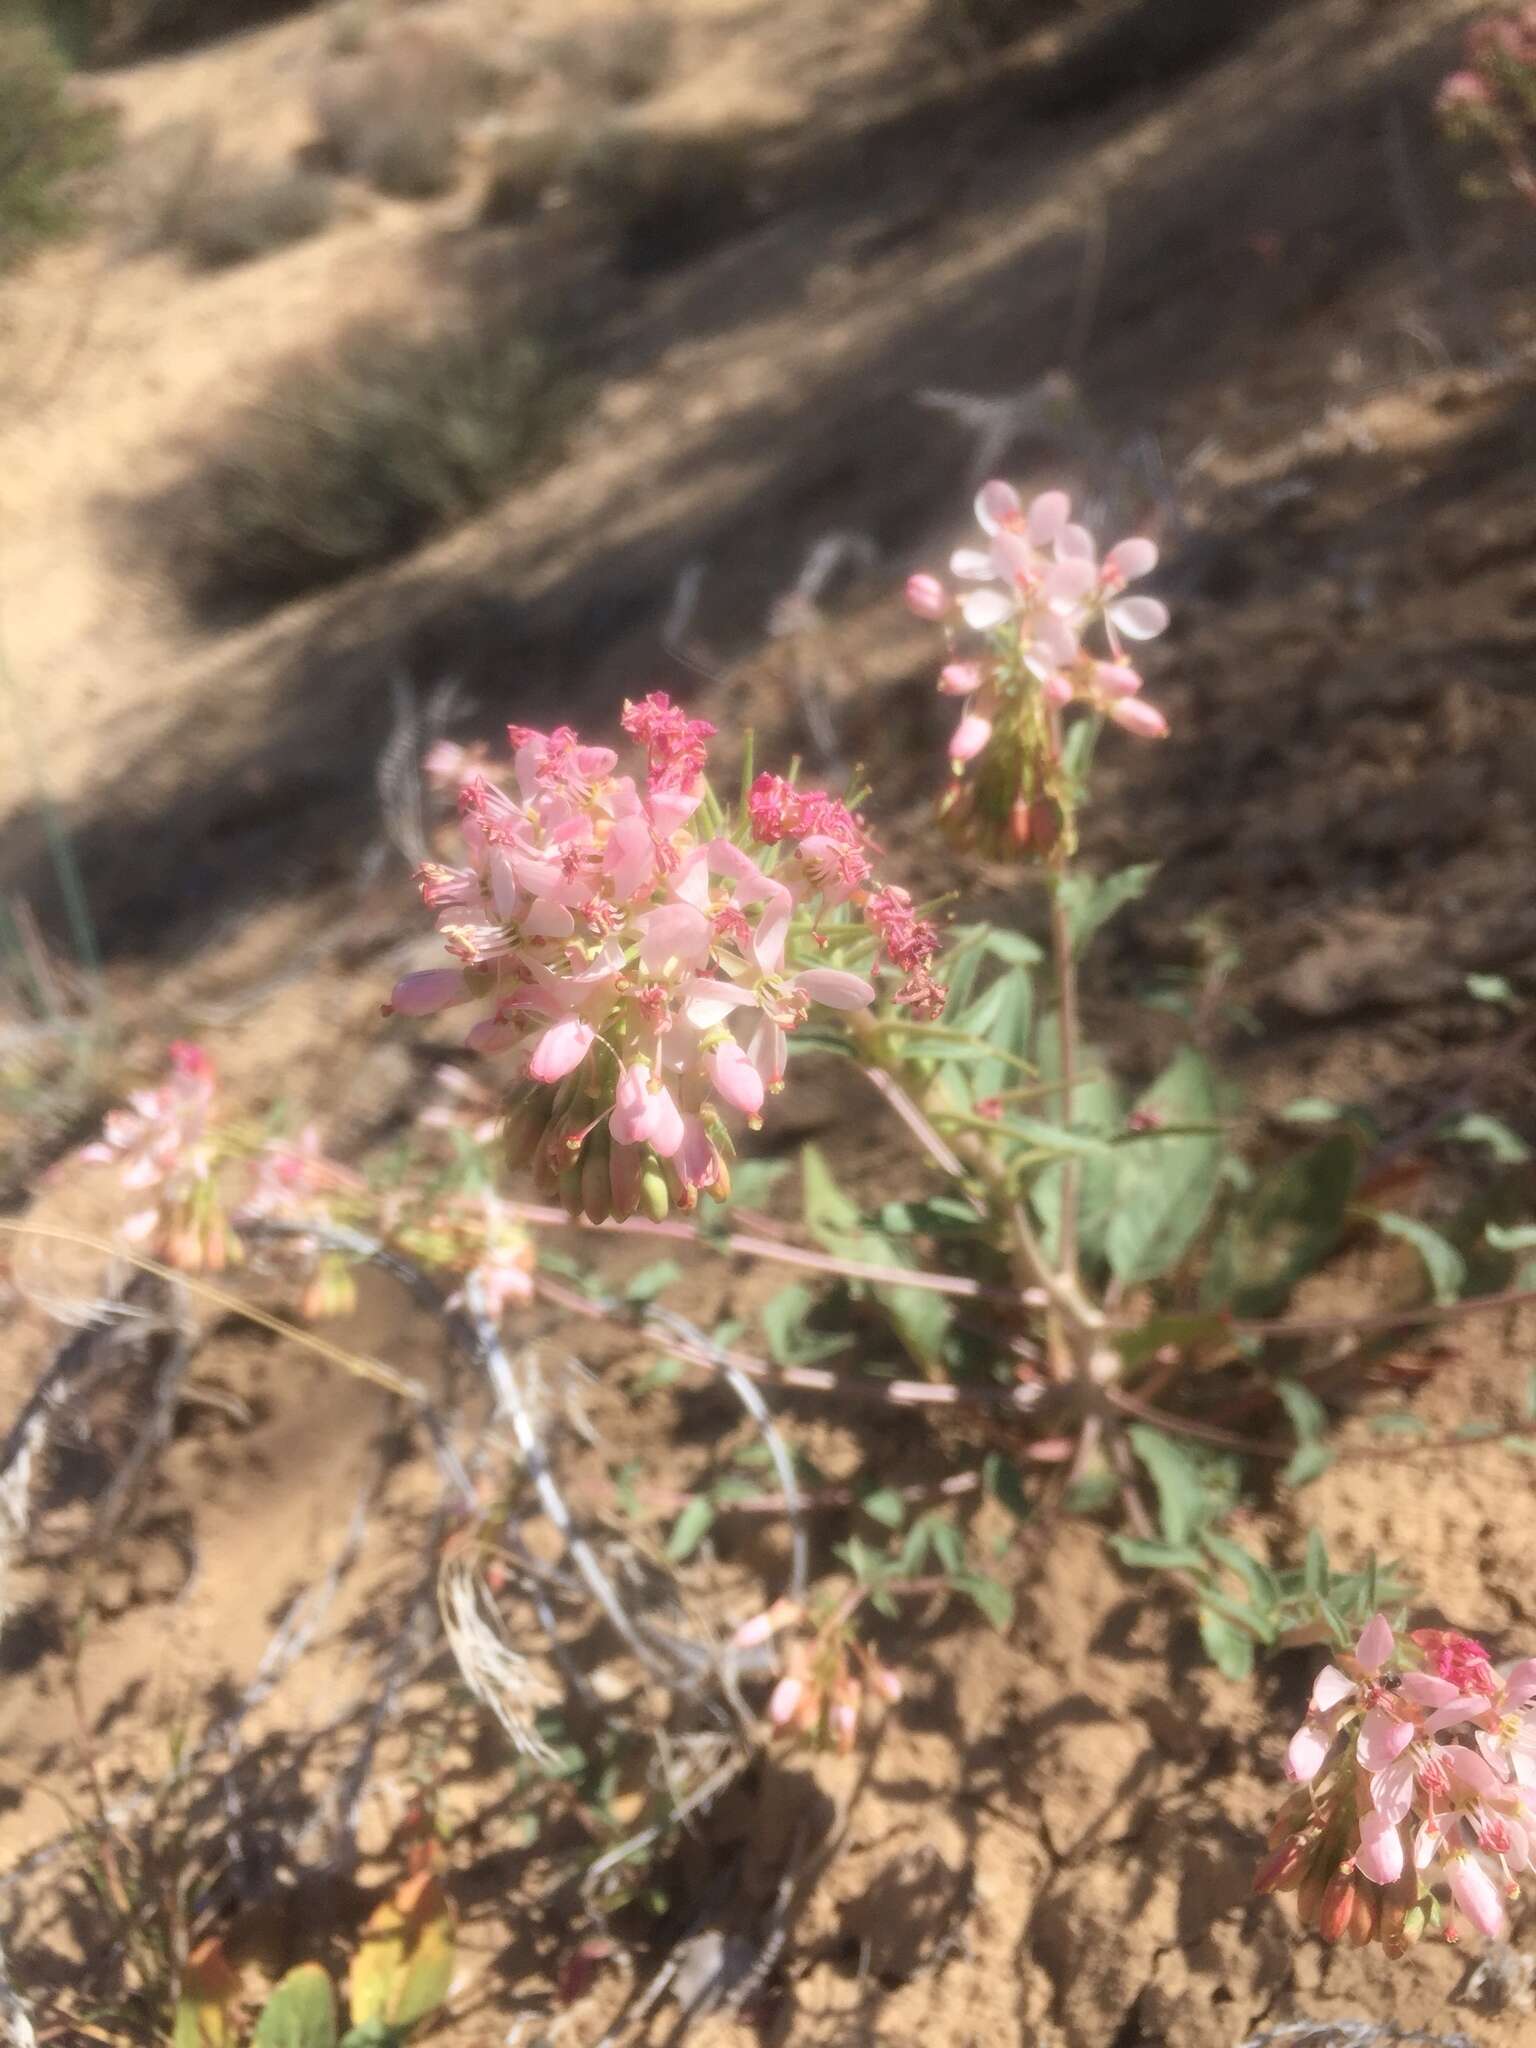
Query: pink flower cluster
x=1416, y=1768
x=1492, y=99
x=162, y=1144
x=1056, y=619
x=828, y=1676
x=635, y=969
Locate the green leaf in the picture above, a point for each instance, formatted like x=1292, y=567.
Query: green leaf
x=644, y=1286
x=1004, y=1481
x=885, y=1506
x=789, y=1341
x=1514, y=1237
x=1311, y=1109
x=1003, y=1016
x=1524, y=1445
x=1242, y=1613
x=1289, y=1223
x=1230, y=1649
x=1091, y=903
x=1183, y=1504
x=1097, y=1108
x=1309, y=1463
x=1446, y=1268
x=1183, y=1332
x=994, y=1599
x=666, y=1372
x=1398, y=1425
x=301, y=2012
x=1309, y=1418
x=1164, y=1186
x=690, y=1529
x=1156, y=1557
x=828, y=1211
x=1316, y=1577
x=403, y=1965
x=1478, y=1129
x=947, y=1545
x=1256, y=1576
x=371, y=2034
x=1492, y=988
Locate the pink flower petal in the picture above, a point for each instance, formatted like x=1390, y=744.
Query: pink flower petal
x=735, y=1077
x=1470, y=1770
x=1308, y=1752
x=1329, y=1688
x=562, y=1048
x=1130, y=559
x=1427, y=1691
x=421, y=995
x=1139, y=618
x=1076, y=544
x=984, y=609
x=836, y=988
x=1139, y=717
x=926, y=597
x=1375, y=1644
x=961, y=678
x=1382, y=1737
x=975, y=565
x=997, y=504
x=1392, y=1789
x=1048, y=514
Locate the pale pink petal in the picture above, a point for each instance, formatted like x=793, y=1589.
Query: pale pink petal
x=1055, y=639
x=493, y=1034
x=974, y=564
x=1465, y=1707
x=1392, y=1789
x=1375, y=1644
x=697, y=1160
x=1427, y=1691
x=836, y=988
x=1380, y=1855
x=421, y=995
x=1382, y=1737
x=997, y=504
x=1139, y=618
x=1520, y=1686
x=547, y=920
x=563, y=1047
x=984, y=609
x=1048, y=514
x=629, y=857
x=1067, y=583
x=970, y=736
x=768, y=1049
x=708, y=1003
x=1470, y=1770
x=1076, y=544
x=1129, y=559
x=676, y=935
x=1056, y=690
x=1329, y=1688
x=1426, y=1844
x=1308, y=1752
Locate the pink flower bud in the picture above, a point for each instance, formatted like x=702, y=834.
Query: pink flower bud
x=1139, y=717
x=735, y=1077
x=1115, y=679
x=784, y=1703
x=970, y=736
x=960, y=678
x=885, y=1682
x=927, y=597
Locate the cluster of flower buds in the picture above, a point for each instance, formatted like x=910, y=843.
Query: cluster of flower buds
x=1491, y=100
x=474, y=1234
x=828, y=1677
x=643, y=975
x=1415, y=1772
x=296, y=1186
x=164, y=1146
x=1051, y=621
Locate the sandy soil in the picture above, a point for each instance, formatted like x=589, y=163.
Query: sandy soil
x=1305, y=362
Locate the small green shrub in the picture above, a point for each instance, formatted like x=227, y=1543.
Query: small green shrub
x=396, y=115
x=48, y=138
x=668, y=197
x=357, y=458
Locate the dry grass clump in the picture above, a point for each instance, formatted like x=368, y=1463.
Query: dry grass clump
x=396, y=114
x=48, y=139
x=623, y=60
x=355, y=458
x=666, y=197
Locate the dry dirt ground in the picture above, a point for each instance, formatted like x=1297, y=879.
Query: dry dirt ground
x=1306, y=362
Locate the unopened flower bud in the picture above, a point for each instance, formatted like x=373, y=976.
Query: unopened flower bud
x=785, y=1701
x=1283, y=1869
x=926, y=597
x=1336, y=1912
